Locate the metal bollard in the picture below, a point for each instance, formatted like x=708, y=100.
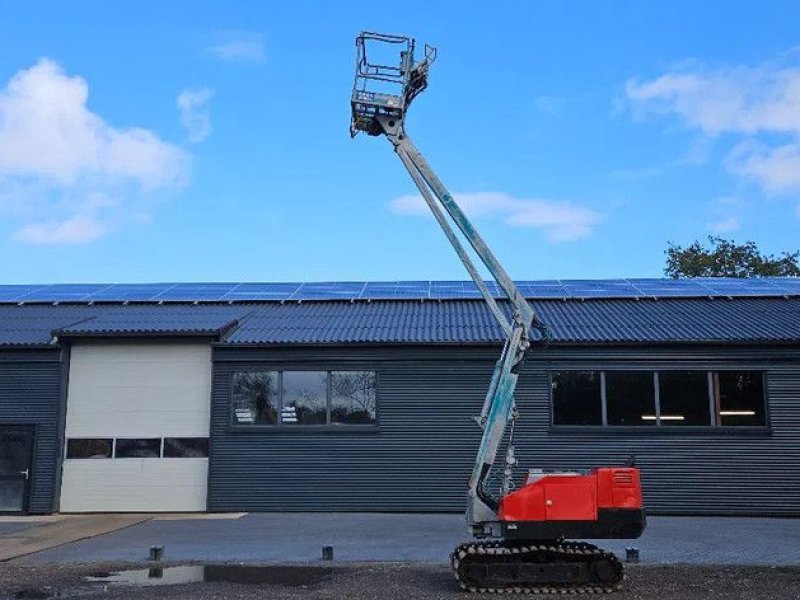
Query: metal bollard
x=156, y=552
x=327, y=553
x=632, y=555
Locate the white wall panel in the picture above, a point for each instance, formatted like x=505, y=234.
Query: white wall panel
x=135, y=485
x=137, y=390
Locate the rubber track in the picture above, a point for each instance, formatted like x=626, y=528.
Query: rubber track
x=535, y=552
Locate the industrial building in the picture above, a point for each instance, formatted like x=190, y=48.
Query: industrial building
x=360, y=396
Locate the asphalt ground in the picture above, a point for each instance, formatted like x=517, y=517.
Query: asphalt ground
x=399, y=581
x=299, y=537
x=14, y=527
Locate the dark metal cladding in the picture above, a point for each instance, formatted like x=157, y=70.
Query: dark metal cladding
x=209, y=320
x=575, y=322
x=30, y=394
x=31, y=325
x=742, y=320
x=418, y=456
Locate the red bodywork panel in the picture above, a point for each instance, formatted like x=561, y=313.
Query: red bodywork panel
x=573, y=497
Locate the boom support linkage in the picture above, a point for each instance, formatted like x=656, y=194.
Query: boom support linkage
x=383, y=113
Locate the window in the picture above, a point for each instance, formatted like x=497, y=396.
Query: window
x=89, y=448
x=138, y=448
x=739, y=398
x=255, y=398
x=576, y=398
x=630, y=398
x=295, y=398
x=669, y=398
x=353, y=397
x=683, y=396
x=304, y=398
x=185, y=447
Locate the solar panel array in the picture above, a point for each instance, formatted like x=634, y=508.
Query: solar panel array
x=396, y=290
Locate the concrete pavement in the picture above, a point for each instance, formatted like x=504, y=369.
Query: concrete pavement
x=299, y=537
x=30, y=536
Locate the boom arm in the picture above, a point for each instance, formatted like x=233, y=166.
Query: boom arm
x=498, y=405
x=381, y=113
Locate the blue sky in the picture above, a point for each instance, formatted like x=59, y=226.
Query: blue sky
x=208, y=141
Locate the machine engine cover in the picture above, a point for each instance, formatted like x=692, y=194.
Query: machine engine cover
x=573, y=496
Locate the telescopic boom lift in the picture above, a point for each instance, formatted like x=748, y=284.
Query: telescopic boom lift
x=530, y=524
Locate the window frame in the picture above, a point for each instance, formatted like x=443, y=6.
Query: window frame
x=713, y=428
x=764, y=389
x=114, y=457
x=133, y=439
x=279, y=426
x=111, y=445
x=712, y=419
x=601, y=396
x=206, y=445
x=654, y=382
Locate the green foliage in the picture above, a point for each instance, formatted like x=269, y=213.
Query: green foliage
x=725, y=258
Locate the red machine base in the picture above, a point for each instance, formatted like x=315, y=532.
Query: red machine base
x=611, y=523
x=603, y=503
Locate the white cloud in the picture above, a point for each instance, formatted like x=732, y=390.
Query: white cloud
x=727, y=212
x=76, y=230
x=195, y=116
x=745, y=100
x=756, y=103
x=726, y=225
x=559, y=221
x=58, y=158
x=47, y=130
x=775, y=169
x=239, y=46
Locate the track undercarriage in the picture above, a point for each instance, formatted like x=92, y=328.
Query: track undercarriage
x=536, y=567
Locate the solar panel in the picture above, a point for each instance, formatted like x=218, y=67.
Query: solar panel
x=12, y=293
x=271, y=288
x=262, y=291
x=445, y=294
x=543, y=294
x=669, y=287
x=740, y=285
x=396, y=290
x=600, y=289
x=195, y=291
x=348, y=290
x=791, y=285
x=57, y=293
x=129, y=291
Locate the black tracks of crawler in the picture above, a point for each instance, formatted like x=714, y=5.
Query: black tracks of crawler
x=549, y=567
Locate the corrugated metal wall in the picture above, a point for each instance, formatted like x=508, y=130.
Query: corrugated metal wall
x=30, y=394
x=422, y=453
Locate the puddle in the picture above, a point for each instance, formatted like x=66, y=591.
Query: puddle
x=294, y=576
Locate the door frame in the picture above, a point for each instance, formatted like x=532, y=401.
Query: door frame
x=27, y=494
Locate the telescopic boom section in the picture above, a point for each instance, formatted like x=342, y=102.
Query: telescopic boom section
x=381, y=97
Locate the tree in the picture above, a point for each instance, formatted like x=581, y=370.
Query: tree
x=726, y=258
